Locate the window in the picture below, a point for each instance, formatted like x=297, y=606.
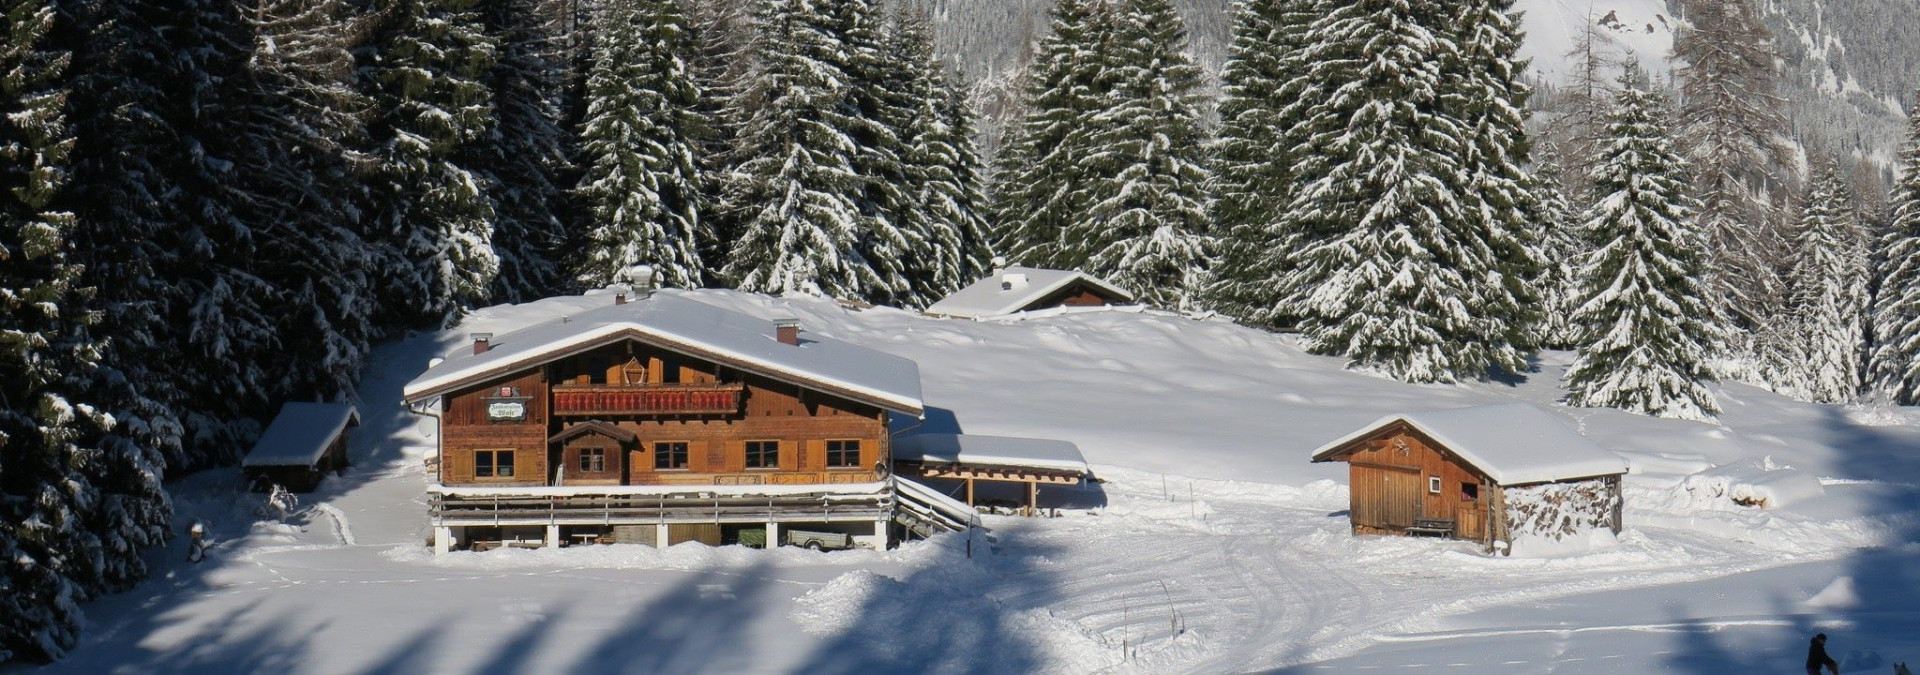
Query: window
x=763, y=454
x=493, y=464
x=843, y=454
x=1433, y=484
x=1469, y=492
x=593, y=460
x=670, y=455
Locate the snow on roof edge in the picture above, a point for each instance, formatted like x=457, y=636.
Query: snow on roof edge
x=1605, y=463
x=957, y=304
x=1035, y=453
x=301, y=422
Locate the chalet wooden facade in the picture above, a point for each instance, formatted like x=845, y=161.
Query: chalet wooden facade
x=659, y=421
x=1448, y=473
x=1025, y=289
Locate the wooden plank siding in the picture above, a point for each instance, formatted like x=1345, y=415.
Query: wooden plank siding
x=802, y=421
x=1391, y=484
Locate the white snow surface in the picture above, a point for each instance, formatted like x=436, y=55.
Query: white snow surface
x=1211, y=545
x=1038, y=453
x=1629, y=30
x=1011, y=289
x=1513, y=443
x=301, y=433
x=674, y=319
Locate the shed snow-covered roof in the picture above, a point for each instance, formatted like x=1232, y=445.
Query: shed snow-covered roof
x=683, y=324
x=300, y=434
x=1514, y=444
x=1034, y=453
x=1014, y=289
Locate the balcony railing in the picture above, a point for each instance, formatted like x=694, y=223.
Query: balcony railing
x=646, y=399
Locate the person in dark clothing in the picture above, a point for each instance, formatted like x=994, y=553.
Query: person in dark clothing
x=1817, y=656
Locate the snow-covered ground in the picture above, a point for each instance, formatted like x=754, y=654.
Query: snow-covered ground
x=1212, y=546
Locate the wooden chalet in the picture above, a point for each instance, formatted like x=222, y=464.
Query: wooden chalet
x=1024, y=289
x=660, y=421
x=968, y=458
x=304, y=443
x=1446, y=472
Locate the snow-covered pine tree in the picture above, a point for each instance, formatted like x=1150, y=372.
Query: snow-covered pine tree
x=1561, y=248
x=1895, y=367
x=526, y=158
x=1254, y=155
x=1490, y=101
x=1145, y=181
x=1037, y=170
x=891, y=236
x=796, y=191
x=430, y=219
x=1583, y=101
x=78, y=509
x=1644, y=320
x=1827, y=296
x=295, y=185
x=722, y=31
x=942, y=211
x=642, y=191
x=1732, y=122
x=973, y=211
x=1389, y=267
x=160, y=193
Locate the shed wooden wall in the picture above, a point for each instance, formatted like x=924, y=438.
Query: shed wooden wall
x=1076, y=294
x=1383, y=466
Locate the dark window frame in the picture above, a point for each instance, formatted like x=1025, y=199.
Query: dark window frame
x=593, y=460
x=843, y=453
x=763, y=454
x=666, y=457
x=493, y=464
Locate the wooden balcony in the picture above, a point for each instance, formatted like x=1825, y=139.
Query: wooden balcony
x=608, y=400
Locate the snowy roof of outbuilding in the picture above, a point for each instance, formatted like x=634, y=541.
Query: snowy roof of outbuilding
x=1013, y=289
x=300, y=434
x=683, y=324
x=1514, y=444
x=1034, y=453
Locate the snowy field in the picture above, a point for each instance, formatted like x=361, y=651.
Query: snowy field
x=1212, y=546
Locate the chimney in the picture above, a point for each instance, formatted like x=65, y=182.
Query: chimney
x=480, y=340
x=619, y=298
x=787, y=331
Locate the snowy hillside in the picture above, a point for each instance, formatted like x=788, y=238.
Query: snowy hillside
x=1641, y=30
x=1212, y=545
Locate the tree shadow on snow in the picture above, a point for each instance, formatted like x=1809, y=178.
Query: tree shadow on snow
x=1878, y=626
x=987, y=614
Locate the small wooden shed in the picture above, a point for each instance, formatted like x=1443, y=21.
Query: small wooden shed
x=1450, y=473
x=304, y=442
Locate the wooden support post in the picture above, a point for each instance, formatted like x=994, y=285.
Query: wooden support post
x=1033, y=498
x=969, y=492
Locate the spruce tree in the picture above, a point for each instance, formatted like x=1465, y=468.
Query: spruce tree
x=1827, y=296
x=1731, y=118
x=78, y=508
x=1254, y=156
x=430, y=218
x=1038, y=169
x=944, y=196
x=1145, y=181
x=891, y=233
x=525, y=159
x=796, y=191
x=643, y=188
x=970, y=212
x=1561, y=247
x=1392, y=265
x=1644, y=320
x=1895, y=366
x=722, y=32
x=1500, y=197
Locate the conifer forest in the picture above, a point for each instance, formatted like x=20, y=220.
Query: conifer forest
x=215, y=206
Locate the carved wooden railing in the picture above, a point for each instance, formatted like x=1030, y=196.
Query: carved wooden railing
x=646, y=399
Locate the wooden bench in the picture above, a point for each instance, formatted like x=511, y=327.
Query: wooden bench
x=1431, y=527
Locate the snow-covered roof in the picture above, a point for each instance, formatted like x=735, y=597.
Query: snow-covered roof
x=1013, y=289
x=1515, y=444
x=301, y=433
x=1036, y=453
x=683, y=324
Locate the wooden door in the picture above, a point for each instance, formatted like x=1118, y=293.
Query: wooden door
x=1402, y=498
